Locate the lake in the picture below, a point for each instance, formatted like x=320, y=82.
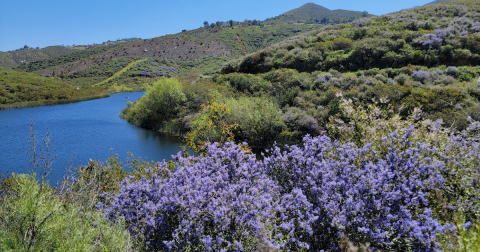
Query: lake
x=80, y=132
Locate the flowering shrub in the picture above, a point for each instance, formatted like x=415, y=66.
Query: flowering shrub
x=420, y=75
x=304, y=197
x=222, y=201
x=358, y=193
x=451, y=70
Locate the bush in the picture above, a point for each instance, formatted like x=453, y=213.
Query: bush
x=259, y=120
x=221, y=201
x=420, y=75
x=451, y=70
x=33, y=218
x=161, y=103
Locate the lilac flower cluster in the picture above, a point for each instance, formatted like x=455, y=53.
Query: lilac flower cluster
x=219, y=202
x=420, y=75
x=435, y=40
x=168, y=69
x=358, y=194
x=476, y=27
x=300, y=198
x=451, y=70
x=326, y=78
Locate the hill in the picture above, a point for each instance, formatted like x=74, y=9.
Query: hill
x=204, y=49
x=315, y=14
x=426, y=57
x=439, y=1
x=27, y=89
x=201, y=51
x=19, y=57
x=447, y=33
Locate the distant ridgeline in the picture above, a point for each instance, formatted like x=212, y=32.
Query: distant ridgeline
x=26, y=55
x=311, y=13
x=439, y=1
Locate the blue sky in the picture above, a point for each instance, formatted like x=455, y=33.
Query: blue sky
x=55, y=22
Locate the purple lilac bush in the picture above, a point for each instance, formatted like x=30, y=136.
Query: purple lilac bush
x=358, y=193
x=300, y=198
x=221, y=202
x=420, y=75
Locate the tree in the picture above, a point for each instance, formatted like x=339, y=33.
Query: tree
x=160, y=104
x=212, y=25
x=205, y=24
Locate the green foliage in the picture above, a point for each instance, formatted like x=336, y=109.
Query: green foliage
x=429, y=37
x=68, y=58
x=245, y=82
x=34, y=218
x=160, y=104
x=210, y=126
x=259, y=120
x=21, y=87
x=19, y=57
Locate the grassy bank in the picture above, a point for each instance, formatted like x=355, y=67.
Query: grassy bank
x=50, y=103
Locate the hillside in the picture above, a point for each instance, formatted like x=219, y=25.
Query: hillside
x=315, y=14
x=201, y=51
x=433, y=35
x=17, y=87
x=366, y=135
x=439, y=1
x=19, y=57
x=426, y=57
x=182, y=51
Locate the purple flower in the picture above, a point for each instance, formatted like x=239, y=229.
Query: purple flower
x=420, y=75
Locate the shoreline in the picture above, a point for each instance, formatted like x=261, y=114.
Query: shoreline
x=21, y=105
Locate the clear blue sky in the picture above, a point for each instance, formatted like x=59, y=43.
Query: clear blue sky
x=55, y=22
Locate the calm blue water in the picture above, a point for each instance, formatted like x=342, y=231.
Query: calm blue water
x=79, y=132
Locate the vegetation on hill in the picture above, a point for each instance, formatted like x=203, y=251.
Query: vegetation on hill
x=302, y=76
x=17, y=87
x=196, y=52
x=218, y=41
x=438, y=1
x=65, y=59
x=433, y=35
x=311, y=13
x=20, y=57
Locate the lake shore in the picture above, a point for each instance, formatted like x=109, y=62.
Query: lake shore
x=50, y=103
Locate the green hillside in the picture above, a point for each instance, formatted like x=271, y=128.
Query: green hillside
x=201, y=51
x=315, y=14
x=433, y=35
x=426, y=57
x=191, y=53
x=19, y=57
x=439, y=1
x=27, y=89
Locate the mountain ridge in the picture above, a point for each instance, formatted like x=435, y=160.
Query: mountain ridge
x=314, y=13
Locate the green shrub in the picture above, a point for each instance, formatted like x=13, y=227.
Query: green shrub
x=161, y=103
x=34, y=218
